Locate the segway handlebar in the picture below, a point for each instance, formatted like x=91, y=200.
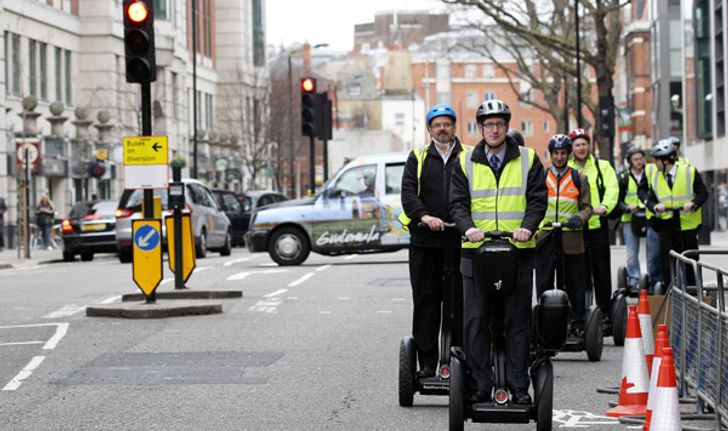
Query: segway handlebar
x=448, y=225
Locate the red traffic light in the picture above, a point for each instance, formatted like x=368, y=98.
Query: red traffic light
x=308, y=85
x=137, y=12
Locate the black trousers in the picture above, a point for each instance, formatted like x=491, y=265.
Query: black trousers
x=573, y=272
x=672, y=238
x=429, y=296
x=479, y=310
x=599, y=256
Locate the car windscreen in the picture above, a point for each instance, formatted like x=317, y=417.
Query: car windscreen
x=105, y=208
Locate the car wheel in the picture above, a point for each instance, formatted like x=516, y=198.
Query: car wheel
x=87, y=257
x=125, y=255
x=227, y=248
x=201, y=247
x=288, y=246
x=68, y=257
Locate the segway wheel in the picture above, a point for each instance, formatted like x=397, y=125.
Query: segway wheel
x=545, y=397
x=407, y=370
x=619, y=320
x=457, y=394
x=622, y=278
x=593, y=337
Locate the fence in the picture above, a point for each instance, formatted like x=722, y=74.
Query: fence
x=699, y=333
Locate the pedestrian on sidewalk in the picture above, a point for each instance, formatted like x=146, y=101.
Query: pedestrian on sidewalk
x=44, y=213
x=3, y=208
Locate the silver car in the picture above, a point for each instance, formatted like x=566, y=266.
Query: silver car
x=210, y=225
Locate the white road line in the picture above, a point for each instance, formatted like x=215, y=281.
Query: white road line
x=233, y=262
x=245, y=274
x=68, y=310
x=384, y=312
x=24, y=373
x=343, y=298
x=166, y=280
x=292, y=298
x=397, y=299
x=302, y=279
x=276, y=293
x=268, y=264
x=111, y=299
x=325, y=312
x=202, y=268
x=322, y=268
x=351, y=256
x=61, y=330
x=22, y=343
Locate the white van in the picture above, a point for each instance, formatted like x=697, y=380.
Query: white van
x=355, y=212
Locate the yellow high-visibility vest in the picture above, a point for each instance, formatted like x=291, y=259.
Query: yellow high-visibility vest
x=682, y=192
x=610, y=184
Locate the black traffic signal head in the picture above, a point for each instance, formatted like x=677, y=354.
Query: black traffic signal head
x=139, y=41
x=308, y=106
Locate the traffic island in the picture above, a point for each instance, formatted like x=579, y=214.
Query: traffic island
x=186, y=294
x=142, y=310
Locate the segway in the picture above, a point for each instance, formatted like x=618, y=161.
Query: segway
x=592, y=340
x=409, y=383
x=552, y=315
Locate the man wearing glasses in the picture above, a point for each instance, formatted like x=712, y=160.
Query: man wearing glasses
x=499, y=186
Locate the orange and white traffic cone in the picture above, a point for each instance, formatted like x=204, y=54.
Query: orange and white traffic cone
x=661, y=342
x=666, y=412
x=643, y=312
x=635, y=382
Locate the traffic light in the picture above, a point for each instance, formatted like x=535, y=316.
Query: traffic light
x=308, y=106
x=141, y=64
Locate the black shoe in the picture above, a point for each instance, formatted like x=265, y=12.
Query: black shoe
x=480, y=396
x=426, y=371
x=521, y=396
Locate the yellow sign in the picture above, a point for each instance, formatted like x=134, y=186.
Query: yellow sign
x=147, y=251
x=146, y=150
x=188, y=245
x=156, y=209
x=102, y=154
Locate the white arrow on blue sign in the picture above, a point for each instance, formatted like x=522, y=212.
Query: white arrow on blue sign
x=146, y=238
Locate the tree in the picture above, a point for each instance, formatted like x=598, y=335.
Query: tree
x=544, y=31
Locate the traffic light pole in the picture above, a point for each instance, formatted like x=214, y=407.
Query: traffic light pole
x=312, y=165
x=147, y=131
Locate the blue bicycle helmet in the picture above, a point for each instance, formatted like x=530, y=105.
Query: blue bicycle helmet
x=439, y=111
x=560, y=142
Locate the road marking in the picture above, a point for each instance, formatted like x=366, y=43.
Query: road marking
x=384, y=312
x=22, y=343
x=61, y=330
x=234, y=261
x=268, y=264
x=292, y=298
x=245, y=274
x=351, y=256
x=24, y=373
x=343, y=298
x=302, y=279
x=166, y=280
x=325, y=312
x=68, y=310
x=276, y=293
x=111, y=299
x=322, y=268
x=577, y=419
x=397, y=299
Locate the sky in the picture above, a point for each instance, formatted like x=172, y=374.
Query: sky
x=329, y=21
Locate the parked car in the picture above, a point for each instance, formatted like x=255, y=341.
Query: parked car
x=210, y=225
x=90, y=228
x=355, y=212
x=249, y=202
x=228, y=202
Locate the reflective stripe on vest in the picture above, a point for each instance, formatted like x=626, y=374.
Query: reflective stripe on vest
x=631, y=197
x=498, y=204
x=563, y=199
x=590, y=169
x=681, y=193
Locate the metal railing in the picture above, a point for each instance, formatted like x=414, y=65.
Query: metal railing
x=699, y=332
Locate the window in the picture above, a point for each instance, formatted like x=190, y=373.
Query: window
x=69, y=101
x=472, y=99
x=470, y=70
x=399, y=119
x=232, y=204
x=43, y=54
x=527, y=127
x=472, y=128
x=546, y=127
x=32, y=87
x=6, y=37
x=489, y=71
x=676, y=58
x=265, y=200
x=258, y=34
x=393, y=179
x=59, y=75
x=162, y=10
x=489, y=95
x=17, y=76
x=175, y=101
x=356, y=181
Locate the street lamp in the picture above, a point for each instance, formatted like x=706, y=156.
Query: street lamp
x=290, y=108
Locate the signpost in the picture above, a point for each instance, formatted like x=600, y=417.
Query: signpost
x=188, y=246
x=147, y=262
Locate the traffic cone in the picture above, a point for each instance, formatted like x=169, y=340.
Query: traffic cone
x=661, y=342
x=643, y=312
x=635, y=382
x=666, y=412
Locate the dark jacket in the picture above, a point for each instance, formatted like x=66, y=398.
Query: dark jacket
x=536, y=194
x=642, y=188
x=699, y=190
x=433, y=198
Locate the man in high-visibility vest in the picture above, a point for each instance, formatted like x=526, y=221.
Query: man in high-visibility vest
x=425, y=194
x=569, y=203
x=604, y=196
x=499, y=186
x=632, y=195
x=676, y=143
x=676, y=195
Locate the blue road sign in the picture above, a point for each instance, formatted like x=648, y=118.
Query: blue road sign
x=146, y=238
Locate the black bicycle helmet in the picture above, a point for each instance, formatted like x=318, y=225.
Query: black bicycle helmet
x=493, y=108
x=516, y=136
x=560, y=142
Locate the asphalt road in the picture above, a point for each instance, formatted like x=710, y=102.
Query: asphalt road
x=307, y=348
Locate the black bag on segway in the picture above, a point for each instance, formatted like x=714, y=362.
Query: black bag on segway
x=639, y=225
x=552, y=319
x=495, y=267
